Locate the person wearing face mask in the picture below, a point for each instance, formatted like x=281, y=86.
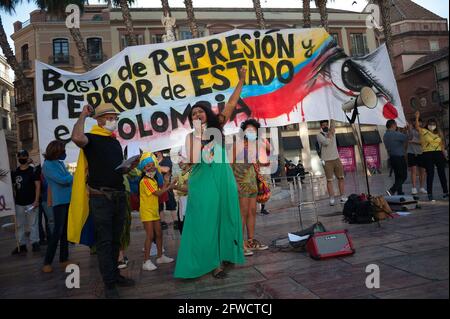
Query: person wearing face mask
x=26, y=186
x=60, y=182
x=330, y=155
x=97, y=206
x=246, y=155
x=396, y=144
x=212, y=230
x=434, y=155
x=151, y=187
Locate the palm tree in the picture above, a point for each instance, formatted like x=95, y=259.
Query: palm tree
x=322, y=6
x=58, y=8
x=132, y=39
x=385, y=9
x=191, y=18
x=8, y=6
x=259, y=14
x=306, y=14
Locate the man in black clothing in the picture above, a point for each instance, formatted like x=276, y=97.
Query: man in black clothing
x=106, y=190
x=27, y=187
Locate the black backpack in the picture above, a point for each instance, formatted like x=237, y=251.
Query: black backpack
x=358, y=211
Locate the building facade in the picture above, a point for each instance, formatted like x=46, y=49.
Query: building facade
x=46, y=39
x=7, y=111
x=420, y=54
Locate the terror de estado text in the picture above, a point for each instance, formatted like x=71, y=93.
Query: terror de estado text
x=136, y=87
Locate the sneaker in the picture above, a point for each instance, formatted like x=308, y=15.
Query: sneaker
x=35, y=247
x=431, y=199
x=264, y=212
x=414, y=191
x=122, y=281
x=248, y=252
x=122, y=264
x=47, y=269
x=445, y=196
x=111, y=292
x=20, y=250
x=164, y=260
x=332, y=201
x=254, y=244
x=343, y=200
x=423, y=191
x=148, y=266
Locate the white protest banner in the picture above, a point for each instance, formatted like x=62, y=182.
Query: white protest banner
x=294, y=75
x=6, y=192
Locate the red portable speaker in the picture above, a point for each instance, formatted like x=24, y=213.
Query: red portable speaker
x=330, y=244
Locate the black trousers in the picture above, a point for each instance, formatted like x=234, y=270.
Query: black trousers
x=59, y=235
x=109, y=217
x=432, y=159
x=398, y=164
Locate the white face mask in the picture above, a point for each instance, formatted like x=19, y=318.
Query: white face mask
x=110, y=126
x=432, y=127
x=150, y=174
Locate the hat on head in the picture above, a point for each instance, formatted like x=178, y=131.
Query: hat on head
x=105, y=108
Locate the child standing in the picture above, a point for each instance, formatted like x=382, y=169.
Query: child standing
x=151, y=187
x=181, y=189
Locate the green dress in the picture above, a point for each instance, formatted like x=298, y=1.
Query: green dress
x=212, y=231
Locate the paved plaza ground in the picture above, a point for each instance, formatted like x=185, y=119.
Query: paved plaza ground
x=412, y=254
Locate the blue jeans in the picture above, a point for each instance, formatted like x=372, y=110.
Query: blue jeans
x=59, y=234
x=22, y=220
x=108, y=217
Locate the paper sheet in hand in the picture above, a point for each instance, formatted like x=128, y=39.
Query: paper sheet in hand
x=128, y=162
x=295, y=238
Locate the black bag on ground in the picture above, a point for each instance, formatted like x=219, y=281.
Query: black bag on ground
x=358, y=210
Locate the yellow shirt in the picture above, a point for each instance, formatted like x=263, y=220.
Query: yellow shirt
x=182, y=181
x=430, y=142
x=149, y=203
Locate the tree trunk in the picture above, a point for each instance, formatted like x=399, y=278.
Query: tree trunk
x=306, y=14
x=322, y=5
x=82, y=52
x=386, y=21
x=132, y=40
x=191, y=18
x=259, y=14
x=23, y=81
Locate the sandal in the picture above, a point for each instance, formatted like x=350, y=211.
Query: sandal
x=219, y=273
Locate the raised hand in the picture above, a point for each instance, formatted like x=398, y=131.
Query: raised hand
x=242, y=73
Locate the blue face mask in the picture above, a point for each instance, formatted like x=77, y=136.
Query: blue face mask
x=62, y=157
x=251, y=136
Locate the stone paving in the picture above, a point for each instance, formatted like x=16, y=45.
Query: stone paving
x=411, y=252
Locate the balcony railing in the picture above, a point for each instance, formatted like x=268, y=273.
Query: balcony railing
x=26, y=64
x=5, y=76
x=61, y=59
x=97, y=58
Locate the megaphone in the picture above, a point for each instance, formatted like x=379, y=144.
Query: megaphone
x=367, y=98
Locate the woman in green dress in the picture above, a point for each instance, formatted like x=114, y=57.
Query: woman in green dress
x=212, y=231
